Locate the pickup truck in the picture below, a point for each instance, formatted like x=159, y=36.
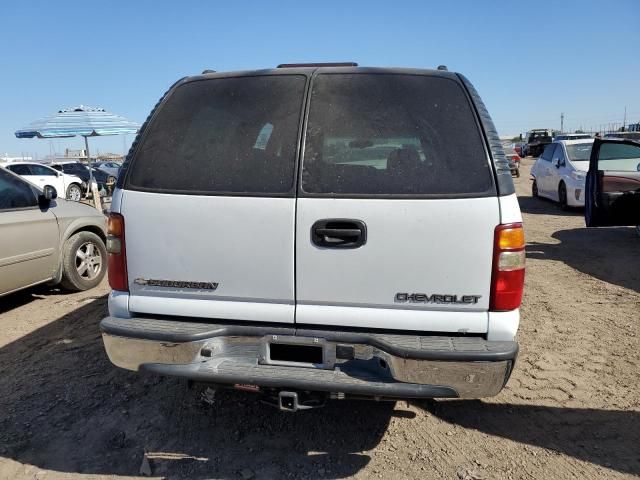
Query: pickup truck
x=535, y=141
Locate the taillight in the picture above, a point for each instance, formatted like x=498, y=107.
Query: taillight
x=507, y=279
x=117, y=253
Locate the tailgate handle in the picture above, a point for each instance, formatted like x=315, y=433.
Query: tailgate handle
x=339, y=233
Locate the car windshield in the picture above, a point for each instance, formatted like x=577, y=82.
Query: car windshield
x=579, y=152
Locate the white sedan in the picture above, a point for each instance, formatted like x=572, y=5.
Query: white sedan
x=560, y=172
x=67, y=186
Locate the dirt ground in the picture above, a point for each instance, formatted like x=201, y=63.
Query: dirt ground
x=570, y=410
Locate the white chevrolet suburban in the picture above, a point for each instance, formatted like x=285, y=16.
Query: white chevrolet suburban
x=318, y=231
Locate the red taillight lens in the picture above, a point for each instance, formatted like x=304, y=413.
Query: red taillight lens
x=117, y=253
x=507, y=280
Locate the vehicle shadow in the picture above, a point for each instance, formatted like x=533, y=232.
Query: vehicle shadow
x=543, y=206
x=609, y=438
x=64, y=407
x=609, y=254
x=24, y=297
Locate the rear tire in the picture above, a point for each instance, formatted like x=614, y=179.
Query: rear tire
x=534, y=189
x=562, y=196
x=74, y=192
x=84, y=261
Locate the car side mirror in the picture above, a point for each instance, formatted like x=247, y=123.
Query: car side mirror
x=555, y=162
x=48, y=193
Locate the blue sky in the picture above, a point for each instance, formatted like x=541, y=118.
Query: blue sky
x=577, y=57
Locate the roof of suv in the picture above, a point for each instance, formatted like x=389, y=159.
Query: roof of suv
x=310, y=70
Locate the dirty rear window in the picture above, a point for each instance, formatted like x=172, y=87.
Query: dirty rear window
x=393, y=134
x=223, y=136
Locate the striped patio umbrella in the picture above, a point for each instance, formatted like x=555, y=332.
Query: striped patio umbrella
x=84, y=121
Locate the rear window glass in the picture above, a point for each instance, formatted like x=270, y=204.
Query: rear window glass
x=229, y=135
x=619, y=157
x=381, y=134
x=579, y=152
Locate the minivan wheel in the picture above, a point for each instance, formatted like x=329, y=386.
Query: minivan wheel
x=84, y=259
x=534, y=189
x=562, y=195
x=74, y=192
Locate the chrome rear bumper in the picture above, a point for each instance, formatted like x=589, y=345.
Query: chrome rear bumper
x=396, y=366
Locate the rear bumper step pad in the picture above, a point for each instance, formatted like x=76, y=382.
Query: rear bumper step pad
x=300, y=379
x=433, y=347
x=384, y=365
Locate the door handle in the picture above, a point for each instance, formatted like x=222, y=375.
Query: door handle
x=339, y=233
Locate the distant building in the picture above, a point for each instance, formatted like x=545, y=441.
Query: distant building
x=5, y=158
x=69, y=154
x=110, y=157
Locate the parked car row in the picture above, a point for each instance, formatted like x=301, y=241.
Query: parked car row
x=68, y=185
x=602, y=175
x=535, y=141
x=103, y=180
x=69, y=178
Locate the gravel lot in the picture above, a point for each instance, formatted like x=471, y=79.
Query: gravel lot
x=570, y=410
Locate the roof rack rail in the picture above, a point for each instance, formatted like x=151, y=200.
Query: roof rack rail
x=204, y=72
x=330, y=64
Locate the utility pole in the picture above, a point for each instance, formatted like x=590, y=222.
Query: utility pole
x=624, y=123
x=562, y=122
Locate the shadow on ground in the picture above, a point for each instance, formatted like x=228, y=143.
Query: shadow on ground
x=542, y=206
x=66, y=408
x=609, y=438
x=23, y=297
x=609, y=254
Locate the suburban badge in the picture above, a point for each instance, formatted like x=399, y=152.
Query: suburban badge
x=176, y=284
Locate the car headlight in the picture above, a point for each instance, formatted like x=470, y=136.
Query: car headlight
x=578, y=176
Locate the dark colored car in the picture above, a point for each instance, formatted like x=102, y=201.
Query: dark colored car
x=103, y=179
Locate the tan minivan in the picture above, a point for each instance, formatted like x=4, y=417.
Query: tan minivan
x=46, y=239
